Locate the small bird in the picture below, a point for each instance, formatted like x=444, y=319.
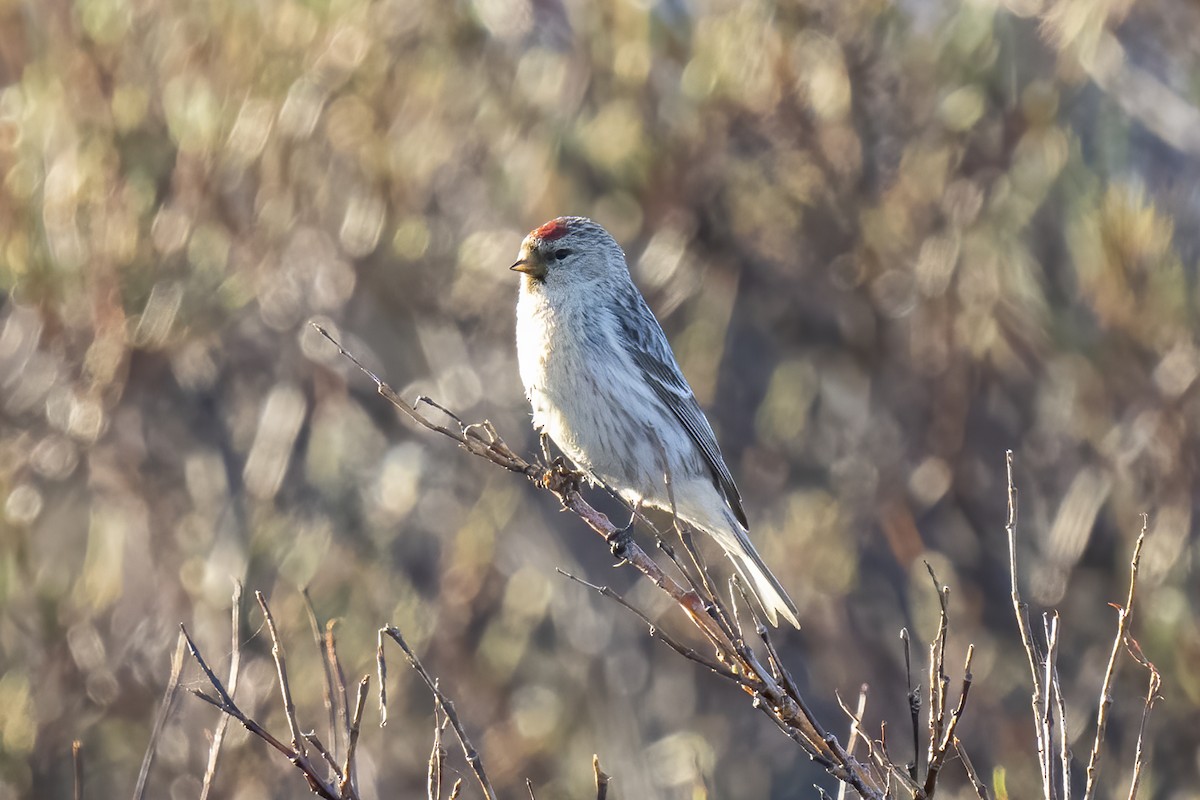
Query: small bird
x=605, y=387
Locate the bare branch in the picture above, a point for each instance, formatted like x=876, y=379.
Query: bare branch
x=1064, y=742
x=855, y=731
x=937, y=759
x=914, y=703
x=769, y=684
x=469, y=751
x=1124, y=615
x=856, y=719
x=381, y=671
x=346, y=785
x=341, y=697
x=602, y=779
x=938, y=681
x=972, y=775
x=224, y=702
x=482, y=440
x=160, y=720
x=789, y=684
x=77, y=767
x=1135, y=650
x=437, y=758
x=1050, y=689
x=1022, y=613
x=214, y=750
x=657, y=633
x=323, y=751
x=331, y=707
x=285, y=690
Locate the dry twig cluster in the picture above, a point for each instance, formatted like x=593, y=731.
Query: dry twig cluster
x=1049, y=707
x=750, y=661
x=338, y=783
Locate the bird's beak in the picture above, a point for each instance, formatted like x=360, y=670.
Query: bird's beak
x=533, y=267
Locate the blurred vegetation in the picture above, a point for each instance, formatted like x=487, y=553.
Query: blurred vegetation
x=888, y=241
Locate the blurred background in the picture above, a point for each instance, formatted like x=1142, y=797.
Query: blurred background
x=887, y=240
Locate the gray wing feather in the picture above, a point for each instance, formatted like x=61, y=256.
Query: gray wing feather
x=646, y=344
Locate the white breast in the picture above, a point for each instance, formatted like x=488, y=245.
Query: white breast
x=585, y=394
x=550, y=362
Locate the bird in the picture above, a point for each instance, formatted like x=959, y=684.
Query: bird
x=605, y=387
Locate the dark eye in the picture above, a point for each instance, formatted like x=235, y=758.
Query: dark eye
x=561, y=253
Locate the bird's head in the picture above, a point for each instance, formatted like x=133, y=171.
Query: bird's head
x=567, y=252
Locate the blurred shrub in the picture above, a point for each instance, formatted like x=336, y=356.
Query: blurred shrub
x=888, y=241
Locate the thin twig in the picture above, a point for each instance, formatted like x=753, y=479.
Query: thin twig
x=1022, y=614
x=972, y=775
x=791, y=713
x=943, y=632
x=1064, y=741
x=737, y=589
x=327, y=690
x=1050, y=688
x=892, y=771
x=469, y=751
x=683, y=531
x=437, y=758
x=938, y=758
x=602, y=779
x=855, y=730
x=77, y=767
x=313, y=739
x=346, y=785
x=381, y=672
x=729, y=627
x=214, y=750
x=855, y=721
x=938, y=680
x=224, y=703
x=1124, y=615
x=789, y=684
x=914, y=703
x=341, y=697
x=657, y=633
x=160, y=720
x=1135, y=650
x=285, y=689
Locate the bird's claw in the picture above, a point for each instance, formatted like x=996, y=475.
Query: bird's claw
x=618, y=542
x=561, y=478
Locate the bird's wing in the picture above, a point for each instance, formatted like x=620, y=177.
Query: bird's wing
x=644, y=340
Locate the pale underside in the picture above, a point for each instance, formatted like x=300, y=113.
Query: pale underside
x=604, y=387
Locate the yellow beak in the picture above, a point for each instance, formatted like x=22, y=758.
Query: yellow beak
x=533, y=267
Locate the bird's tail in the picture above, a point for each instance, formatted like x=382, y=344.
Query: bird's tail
x=759, y=580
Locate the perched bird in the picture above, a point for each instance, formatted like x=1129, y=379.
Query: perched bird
x=605, y=387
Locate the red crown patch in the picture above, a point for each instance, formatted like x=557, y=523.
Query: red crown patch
x=554, y=229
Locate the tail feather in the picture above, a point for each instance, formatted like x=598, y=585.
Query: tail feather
x=706, y=510
x=765, y=586
x=766, y=589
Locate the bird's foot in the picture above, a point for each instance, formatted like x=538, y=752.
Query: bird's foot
x=619, y=539
x=618, y=542
x=561, y=478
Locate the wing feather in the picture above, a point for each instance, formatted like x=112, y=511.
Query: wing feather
x=647, y=345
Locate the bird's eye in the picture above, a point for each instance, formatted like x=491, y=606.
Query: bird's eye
x=561, y=253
